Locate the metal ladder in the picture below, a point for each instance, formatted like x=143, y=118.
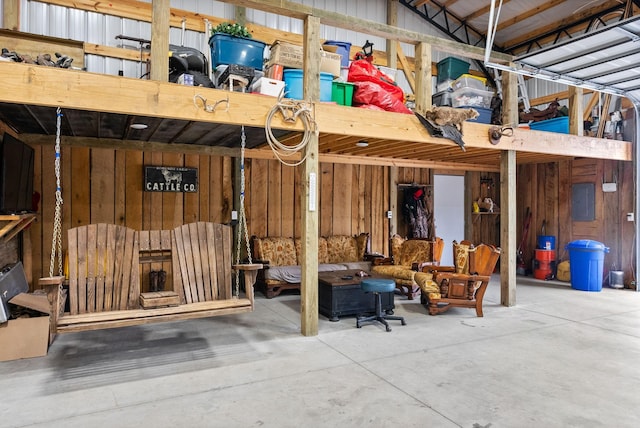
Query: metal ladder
x=523, y=95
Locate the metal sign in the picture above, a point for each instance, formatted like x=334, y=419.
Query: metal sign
x=170, y=179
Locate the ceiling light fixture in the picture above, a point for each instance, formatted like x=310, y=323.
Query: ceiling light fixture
x=138, y=126
x=362, y=143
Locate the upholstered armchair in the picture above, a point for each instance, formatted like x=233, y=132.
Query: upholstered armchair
x=462, y=285
x=408, y=256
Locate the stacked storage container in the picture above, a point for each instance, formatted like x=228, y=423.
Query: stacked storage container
x=470, y=92
x=449, y=69
x=459, y=89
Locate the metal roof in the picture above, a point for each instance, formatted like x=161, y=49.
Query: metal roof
x=605, y=60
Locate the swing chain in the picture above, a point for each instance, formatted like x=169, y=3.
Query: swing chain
x=56, y=242
x=242, y=220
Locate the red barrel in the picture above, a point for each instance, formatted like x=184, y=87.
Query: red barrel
x=544, y=264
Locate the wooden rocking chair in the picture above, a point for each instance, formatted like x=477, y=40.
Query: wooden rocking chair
x=460, y=288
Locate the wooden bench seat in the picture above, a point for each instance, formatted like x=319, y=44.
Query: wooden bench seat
x=128, y=317
x=105, y=276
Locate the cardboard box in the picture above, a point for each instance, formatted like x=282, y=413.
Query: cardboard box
x=292, y=56
x=24, y=338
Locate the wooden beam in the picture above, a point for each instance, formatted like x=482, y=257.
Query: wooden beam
x=11, y=15
x=595, y=97
x=508, y=228
x=392, y=20
x=335, y=19
x=551, y=28
x=528, y=14
x=407, y=69
x=576, y=110
x=50, y=86
x=310, y=197
x=258, y=153
x=480, y=12
x=160, y=40
x=508, y=217
x=393, y=200
x=423, y=77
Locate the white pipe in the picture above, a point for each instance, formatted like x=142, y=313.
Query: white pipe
x=489, y=44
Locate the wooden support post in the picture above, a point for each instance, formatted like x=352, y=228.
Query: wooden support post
x=393, y=200
x=11, y=14
x=241, y=15
x=508, y=236
x=468, y=207
x=576, y=111
x=309, y=283
x=423, y=84
x=392, y=19
x=604, y=114
x=406, y=68
x=160, y=40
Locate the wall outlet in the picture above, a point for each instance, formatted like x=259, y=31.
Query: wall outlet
x=630, y=217
x=389, y=214
x=609, y=187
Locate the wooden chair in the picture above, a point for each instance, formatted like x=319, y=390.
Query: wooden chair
x=409, y=256
x=457, y=288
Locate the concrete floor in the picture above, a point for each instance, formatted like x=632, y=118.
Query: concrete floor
x=559, y=358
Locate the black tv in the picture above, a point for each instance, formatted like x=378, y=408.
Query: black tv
x=16, y=176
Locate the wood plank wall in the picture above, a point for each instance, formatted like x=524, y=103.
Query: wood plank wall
x=105, y=185
x=546, y=190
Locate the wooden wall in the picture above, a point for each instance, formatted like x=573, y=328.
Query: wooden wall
x=105, y=185
x=546, y=190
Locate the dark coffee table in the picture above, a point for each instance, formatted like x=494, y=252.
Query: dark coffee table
x=339, y=295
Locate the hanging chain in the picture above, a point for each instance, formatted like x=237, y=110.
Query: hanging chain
x=56, y=242
x=242, y=220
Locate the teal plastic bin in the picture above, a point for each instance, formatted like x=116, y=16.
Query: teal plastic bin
x=586, y=260
x=451, y=68
x=293, y=82
x=226, y=49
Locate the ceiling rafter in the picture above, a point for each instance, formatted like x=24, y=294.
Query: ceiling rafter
x=480, y=12
x=551, y=34
x=422, y=10
x=528, y=14
x=578, y=23
x=439, y=15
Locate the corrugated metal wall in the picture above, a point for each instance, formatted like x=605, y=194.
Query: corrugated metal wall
x=57, y=21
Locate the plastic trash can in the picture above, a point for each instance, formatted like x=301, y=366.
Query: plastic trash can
x=586, y=261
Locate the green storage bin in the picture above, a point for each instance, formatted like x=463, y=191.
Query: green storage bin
x=342, y=93
x=452, y=68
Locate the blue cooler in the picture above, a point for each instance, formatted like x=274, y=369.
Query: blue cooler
x=586, y=260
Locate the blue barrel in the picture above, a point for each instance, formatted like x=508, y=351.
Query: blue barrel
x=546, y=242
x=586, y=260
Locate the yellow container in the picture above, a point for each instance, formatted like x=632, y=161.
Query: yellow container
x=563, y=272
x=469, y=81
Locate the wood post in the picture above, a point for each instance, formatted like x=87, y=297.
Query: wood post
x=508, y=235
x=310, y=167
x=422, y=88
x=576, y=111
x=160, y=40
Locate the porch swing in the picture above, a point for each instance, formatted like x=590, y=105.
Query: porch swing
x=104, y=275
